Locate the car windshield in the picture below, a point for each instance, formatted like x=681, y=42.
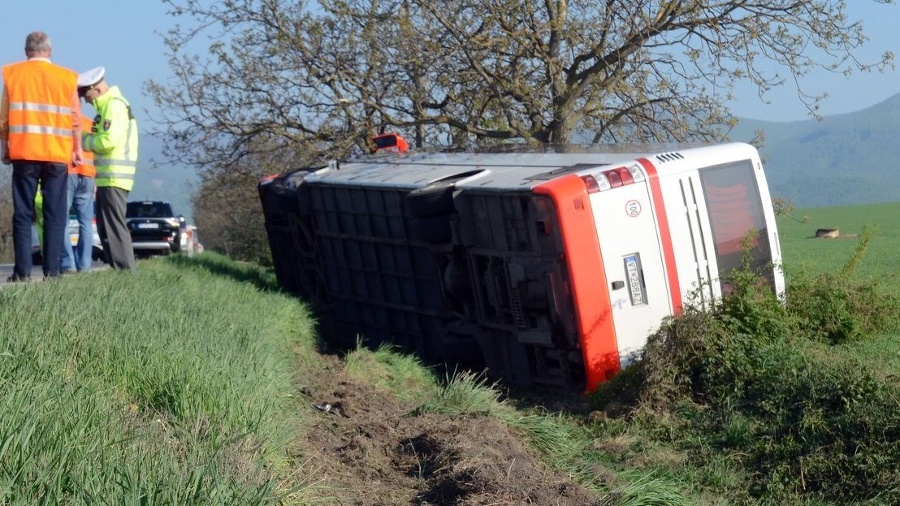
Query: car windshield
x=148, y=210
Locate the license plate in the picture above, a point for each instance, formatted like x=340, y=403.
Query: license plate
x=635, y=287
x=147, y=225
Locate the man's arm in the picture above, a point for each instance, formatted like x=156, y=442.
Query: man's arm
x=4, y=127
x=77, y=155
x=112, y=129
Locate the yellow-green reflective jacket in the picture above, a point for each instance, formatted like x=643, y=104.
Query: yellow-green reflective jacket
x=113, y=140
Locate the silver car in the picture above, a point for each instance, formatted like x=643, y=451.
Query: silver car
x=97, y=249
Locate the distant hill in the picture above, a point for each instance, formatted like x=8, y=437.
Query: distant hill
x=841, y=160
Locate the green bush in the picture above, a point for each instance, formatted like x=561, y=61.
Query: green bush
x=838, y=308
x=768, y=381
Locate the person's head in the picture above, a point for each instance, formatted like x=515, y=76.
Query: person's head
x=91, y=84
x=90, y=93
x=37, y=44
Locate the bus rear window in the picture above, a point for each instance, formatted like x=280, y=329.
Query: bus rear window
x=736, y=213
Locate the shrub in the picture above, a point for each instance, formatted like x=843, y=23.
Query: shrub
x=766, y=385
x=836, y=307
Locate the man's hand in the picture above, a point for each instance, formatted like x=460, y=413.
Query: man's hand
x=4, y=156
x=77, y=158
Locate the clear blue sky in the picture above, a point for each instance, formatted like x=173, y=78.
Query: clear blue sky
x=131, y=49
x=845, y=94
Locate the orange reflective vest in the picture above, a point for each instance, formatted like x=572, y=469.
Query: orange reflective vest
x=40, y=111
x=87, y=164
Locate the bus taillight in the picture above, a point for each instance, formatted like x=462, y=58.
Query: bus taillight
x=608, y=179
x=596, y=183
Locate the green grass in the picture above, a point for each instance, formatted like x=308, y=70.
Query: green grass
x=169, y=381
x=174, y=386
x=403, y=375
x=802, y=250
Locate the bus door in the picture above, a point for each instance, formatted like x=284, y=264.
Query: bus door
x=639, y=292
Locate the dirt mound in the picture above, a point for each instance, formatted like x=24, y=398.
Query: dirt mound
x=366, y=449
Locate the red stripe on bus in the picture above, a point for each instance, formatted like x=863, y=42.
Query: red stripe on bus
x=665, y=234
x=587, y=278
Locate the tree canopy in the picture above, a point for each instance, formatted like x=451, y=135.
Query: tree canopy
x=262, y=86
x=299, y=80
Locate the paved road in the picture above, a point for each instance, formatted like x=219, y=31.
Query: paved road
x=36, y=272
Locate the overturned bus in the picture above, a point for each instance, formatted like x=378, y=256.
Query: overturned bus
x=548, y=268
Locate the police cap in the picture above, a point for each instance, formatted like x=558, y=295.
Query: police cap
x=89, y=78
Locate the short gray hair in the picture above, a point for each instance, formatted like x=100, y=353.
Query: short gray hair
x=37, y=42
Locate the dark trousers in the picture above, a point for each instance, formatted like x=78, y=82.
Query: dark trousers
x=112, y=228
x=25, y=179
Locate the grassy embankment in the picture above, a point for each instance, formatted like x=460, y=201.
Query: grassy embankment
x=175, y=387
x=167, y=387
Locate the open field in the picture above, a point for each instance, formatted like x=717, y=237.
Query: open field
x=803, y=251
x=196, y=382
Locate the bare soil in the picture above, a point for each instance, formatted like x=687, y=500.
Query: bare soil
x=365, y=448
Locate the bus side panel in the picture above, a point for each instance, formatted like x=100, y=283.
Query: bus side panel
x=665, y=234
x=689, y=228
x=587, y=278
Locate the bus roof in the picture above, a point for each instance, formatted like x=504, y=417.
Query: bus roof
x=500, y=171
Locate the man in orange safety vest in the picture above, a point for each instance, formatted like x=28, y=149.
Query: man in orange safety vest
x=40, y=134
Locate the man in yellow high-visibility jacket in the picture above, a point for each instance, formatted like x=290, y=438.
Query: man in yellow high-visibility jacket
x=114, y=141
x=40, y=134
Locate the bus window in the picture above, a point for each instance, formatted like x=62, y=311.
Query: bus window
x=735, y=210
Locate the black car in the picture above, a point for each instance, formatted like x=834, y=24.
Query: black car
x=154, y=227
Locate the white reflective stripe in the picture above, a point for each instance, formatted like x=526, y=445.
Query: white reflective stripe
x=43, y=130
x=114, y=161
x=37, y=107
x=131, y=125
x=102, y=174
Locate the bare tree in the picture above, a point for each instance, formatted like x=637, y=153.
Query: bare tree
x=260, y=86
x=315, y=80
x=227, y=206
x=228, y=213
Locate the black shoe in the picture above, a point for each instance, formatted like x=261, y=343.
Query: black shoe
x=15, y=278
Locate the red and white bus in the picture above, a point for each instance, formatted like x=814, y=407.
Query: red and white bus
x=550, y=268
